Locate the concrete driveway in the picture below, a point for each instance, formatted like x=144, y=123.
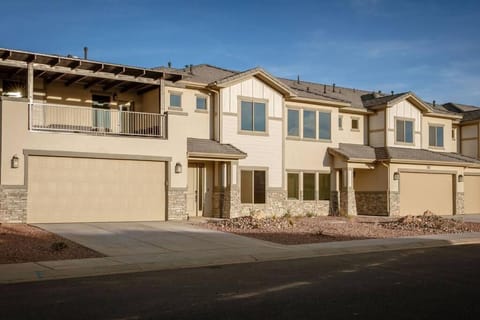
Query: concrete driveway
x=149, y=238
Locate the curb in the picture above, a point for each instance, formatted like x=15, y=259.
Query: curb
x=42, y=271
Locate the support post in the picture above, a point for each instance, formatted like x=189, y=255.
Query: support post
x=30, y=83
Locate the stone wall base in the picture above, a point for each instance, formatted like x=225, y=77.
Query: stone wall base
x=372, y=203
x=177, y=205
x=348, y=206
x=13, y=205
x=394, y=203
x=460, y=203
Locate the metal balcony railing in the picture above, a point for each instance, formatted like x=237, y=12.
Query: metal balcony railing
x=62, y=118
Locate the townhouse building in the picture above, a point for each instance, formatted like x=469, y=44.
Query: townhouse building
x=82, y=140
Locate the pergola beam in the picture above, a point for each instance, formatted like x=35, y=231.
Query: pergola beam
x=75, y=80
x=55, y=78
x=112, y=85
x=132, y=87
x=6, y=55
x=92, y=83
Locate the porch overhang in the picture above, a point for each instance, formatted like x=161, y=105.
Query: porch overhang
x=205, y=149
x=71, y=70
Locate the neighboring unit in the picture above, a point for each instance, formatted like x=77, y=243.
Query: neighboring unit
x=85, y=141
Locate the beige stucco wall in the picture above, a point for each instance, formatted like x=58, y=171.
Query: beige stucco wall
x=16, y=138
x=264, y=150
x=469, y=140
x=371, y=179
x=449, y=143
x=376, y=128
x=404, y=110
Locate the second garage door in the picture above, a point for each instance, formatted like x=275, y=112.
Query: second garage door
x=420, y=192
x=62, y=189
x=472, y=194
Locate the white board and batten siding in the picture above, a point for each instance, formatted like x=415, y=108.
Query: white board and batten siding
x=404, y=110
x=263, y=150
x=376, y=127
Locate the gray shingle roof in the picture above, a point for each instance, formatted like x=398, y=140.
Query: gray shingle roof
x=355, y=151
x=458, y=107
x=471, y=115
x=214, y=148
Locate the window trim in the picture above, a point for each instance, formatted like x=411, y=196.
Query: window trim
x=358, y=124
x=314, y=126
x=241, y=99
x=239, y=181
x=396, y=119
x=177, y=93
x=201, y=96
x=436, y=126
x=301, y=189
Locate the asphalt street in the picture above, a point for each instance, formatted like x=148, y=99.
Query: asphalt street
x=439, y=283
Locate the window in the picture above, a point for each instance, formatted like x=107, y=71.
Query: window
x=435, y=136
x=292, y=185
x=253, y=116
x=293, y=123
x=324, y=126
x=175, y=100
x=404, y=131
x=309, y=186
x=340, y=122
x=101, y=112
x=252, y=186
x=309, y=124
x=355, y=124
x=201, y=103
x=323, y=187
x=454, y=137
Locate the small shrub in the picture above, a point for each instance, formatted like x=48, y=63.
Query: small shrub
x=309, y=214
x=59, y=246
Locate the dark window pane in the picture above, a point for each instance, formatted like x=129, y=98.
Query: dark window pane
x=324, y=125
x=409, y=131
x=308, y=186
x=309, y=124
x=400, y=131
x=247, y=116
x=355, y=124
x=246, y=194
x=259, y=117
x=259, y=187
x=175, y=100
x=323, y=187
x=439, y=136
x=201, y=103
x=292, y=186
x=431, y=136
x=293, y=123
x=340, y=122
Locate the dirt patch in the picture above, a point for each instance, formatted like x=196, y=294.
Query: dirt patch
x=299, y=230
x=24, y=243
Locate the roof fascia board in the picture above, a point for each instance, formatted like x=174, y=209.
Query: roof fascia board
x=319, y=101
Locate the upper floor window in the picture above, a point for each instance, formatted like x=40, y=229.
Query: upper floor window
x=293, y=123
x=340, y=122
x=309, y=126
x=252, y=186
x=355, y=124
x=175, y=100
x=404, y=131
x=435, y=136
x=253, y=116
x=324, y=126
x=201, y=103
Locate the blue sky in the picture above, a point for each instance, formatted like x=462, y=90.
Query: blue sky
x=429, y=47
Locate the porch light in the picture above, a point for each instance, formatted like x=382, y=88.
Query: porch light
x=396, y=176
x=460, y=178
x=14, y=162
x=178, y=167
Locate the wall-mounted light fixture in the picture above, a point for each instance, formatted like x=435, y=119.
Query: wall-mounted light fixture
x=15, y=162
x=396, y=176
x=178, y=167
x=460, y=178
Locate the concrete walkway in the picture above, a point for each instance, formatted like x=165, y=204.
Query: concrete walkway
x=149, y=246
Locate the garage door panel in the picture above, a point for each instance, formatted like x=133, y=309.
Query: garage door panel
x=472, y=194
x=424, y=191
x=62, y=189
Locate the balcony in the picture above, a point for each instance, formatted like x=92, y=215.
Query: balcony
x=96, y=121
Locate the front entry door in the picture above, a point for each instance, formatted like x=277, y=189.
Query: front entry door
x=196, y=189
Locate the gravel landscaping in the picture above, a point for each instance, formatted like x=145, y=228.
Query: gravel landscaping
x=299, y=230
x=24, y=243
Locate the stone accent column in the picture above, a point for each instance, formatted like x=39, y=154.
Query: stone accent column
x=394, y=199
x=334, y=204
x=13, y=204
x=460, y=203
x=348, y=204
x=177, y=204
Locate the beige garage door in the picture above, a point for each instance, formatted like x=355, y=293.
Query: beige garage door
x=64, y=189
x=424, y=191
x=472, y=194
